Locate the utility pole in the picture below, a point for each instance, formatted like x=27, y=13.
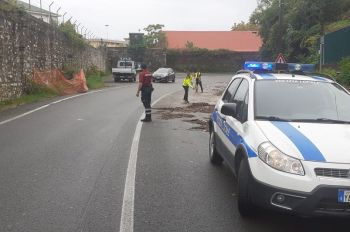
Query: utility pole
x=321, y=52
x=322, y=42
x=279, y=45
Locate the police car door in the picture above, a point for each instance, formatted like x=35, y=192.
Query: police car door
x=235, y=124
x=222, y=139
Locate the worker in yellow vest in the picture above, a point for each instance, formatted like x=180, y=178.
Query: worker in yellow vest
x=186, y=84
x=198, y=78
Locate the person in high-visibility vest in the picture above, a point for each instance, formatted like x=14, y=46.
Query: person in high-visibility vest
x=186, y=84
x=198, y=77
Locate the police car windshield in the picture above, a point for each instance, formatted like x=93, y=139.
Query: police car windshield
x=301, y=101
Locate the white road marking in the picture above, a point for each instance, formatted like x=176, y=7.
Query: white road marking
x=127, y=214
x=53, y=103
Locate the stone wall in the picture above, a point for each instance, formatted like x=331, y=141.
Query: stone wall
x=154, y=58
x=27, y=43
x=208, y=61
x=182, y=60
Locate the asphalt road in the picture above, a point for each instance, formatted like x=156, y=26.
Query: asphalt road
x=63, y=168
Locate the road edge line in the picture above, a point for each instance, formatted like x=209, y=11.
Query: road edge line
x=53, y=103
x=127, y=213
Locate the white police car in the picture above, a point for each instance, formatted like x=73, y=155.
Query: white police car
x=286, y=137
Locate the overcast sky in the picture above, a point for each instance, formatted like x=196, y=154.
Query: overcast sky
x=124, y=16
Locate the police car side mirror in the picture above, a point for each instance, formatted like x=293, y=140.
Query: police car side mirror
x=229, y=109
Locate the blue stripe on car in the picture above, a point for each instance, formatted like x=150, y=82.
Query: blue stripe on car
x=232, y=135
x=309, y=151
x=267, y=76
x=320, y=78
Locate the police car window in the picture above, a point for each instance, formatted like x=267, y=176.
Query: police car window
x=301, y=101
x=127, y=64
x=241, y=92
x=231, y=90
x=239, y=99
x=245, y=109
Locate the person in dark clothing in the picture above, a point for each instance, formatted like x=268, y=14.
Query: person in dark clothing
x=146, y=88
x=198, y=77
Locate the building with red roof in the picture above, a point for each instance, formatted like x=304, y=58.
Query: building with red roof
x=237, y=41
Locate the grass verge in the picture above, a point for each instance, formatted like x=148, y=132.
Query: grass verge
x=37, y=94
x=95, y=81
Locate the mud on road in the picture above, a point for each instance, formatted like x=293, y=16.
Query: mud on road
x=191, y=113
x=197, y=113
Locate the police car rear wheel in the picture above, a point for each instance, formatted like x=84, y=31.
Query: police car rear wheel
x=245, y=206
x=214, y=156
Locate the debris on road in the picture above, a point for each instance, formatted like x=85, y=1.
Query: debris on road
x=202, y=124
x=193, y=111
x=197, y=112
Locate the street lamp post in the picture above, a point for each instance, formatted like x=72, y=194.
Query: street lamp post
x=63, y=17
x=57, y=14
x=107, y=30
x=74, y=24
x=41, y=10
x=50, y=12
x=78, y=27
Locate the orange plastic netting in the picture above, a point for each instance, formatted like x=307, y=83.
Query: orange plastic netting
x=55, y=80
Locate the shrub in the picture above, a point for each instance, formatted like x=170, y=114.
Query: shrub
x=37, y=89
x=344, y=77
x=94, y=71
x=69, y=70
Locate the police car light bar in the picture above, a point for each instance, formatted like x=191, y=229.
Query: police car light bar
x=301, y=67
x=271, y=66
x=258, y=66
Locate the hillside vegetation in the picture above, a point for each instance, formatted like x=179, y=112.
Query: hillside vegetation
x=294, y=27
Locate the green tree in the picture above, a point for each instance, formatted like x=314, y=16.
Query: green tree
x=69, y=30
x=155, y=37
x=189, y=45
x=242, y=26
x=345, y=71
x=294, y=27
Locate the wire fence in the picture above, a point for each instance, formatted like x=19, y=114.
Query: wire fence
x=51, y=13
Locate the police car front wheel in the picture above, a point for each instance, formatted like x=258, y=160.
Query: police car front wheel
x=214, y=156
x=245, y=205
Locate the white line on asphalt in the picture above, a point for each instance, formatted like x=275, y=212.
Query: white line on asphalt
x=52, y=103
x=127, y=215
